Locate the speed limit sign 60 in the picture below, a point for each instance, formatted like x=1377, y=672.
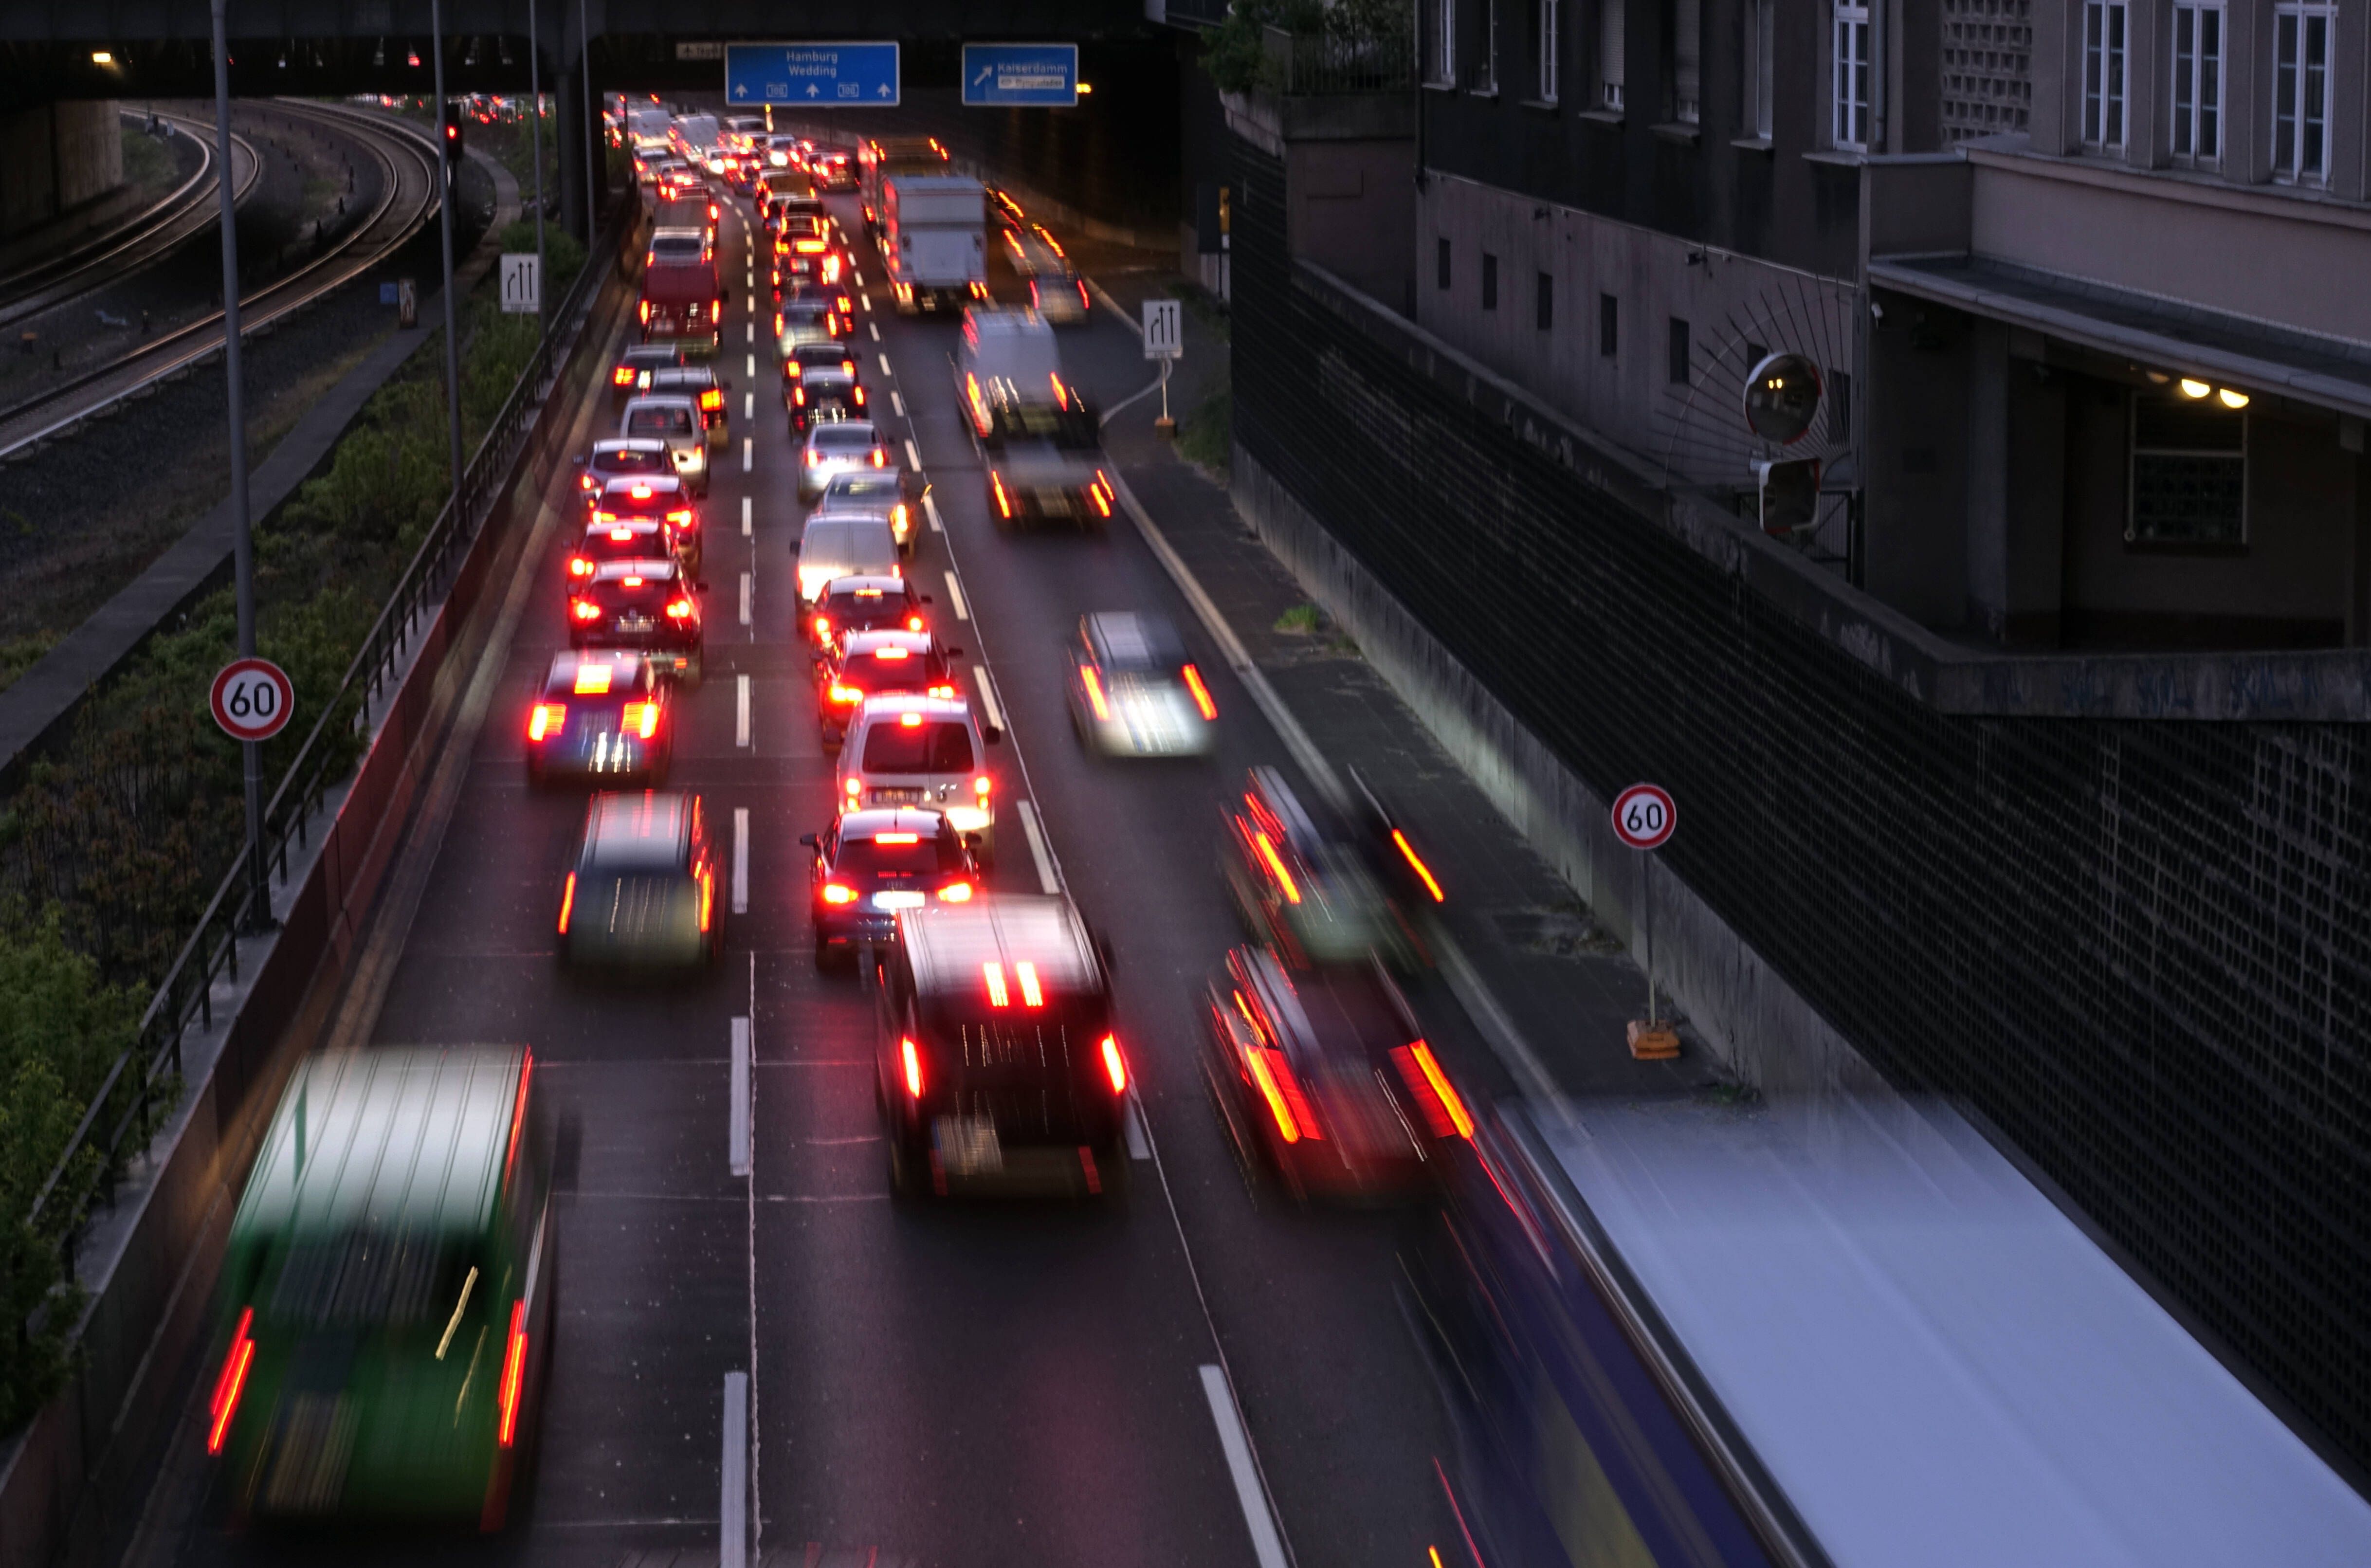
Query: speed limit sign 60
x=252, y=700
x=1644, y=816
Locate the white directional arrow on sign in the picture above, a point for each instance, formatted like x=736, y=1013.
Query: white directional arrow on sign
x=813, y=90
x=882, y=89
x=742, y=91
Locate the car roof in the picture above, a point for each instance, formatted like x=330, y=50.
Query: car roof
x=676, y=374
x=863, y=478
x=640, y=351
x=1128, y=638
x=946, y=945
x=873, y=820
x=627, y=670
x=662, y=400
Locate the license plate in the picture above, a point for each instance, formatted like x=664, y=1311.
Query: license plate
x=1057, y=500
x=967, y=1145
x=896, y=797
x=634, y=623
x=898, y=901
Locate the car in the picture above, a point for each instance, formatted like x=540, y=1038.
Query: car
x=887, y=493
x=1060, y=297
x=641, y=892
x=1325, y=1080
x=631, y=372
x=804, y=256
x=660, y=499
x=869, y=865
x=836, y=447
x=831, y=547
x=620, y=457
x=638, y=538
x=648, y=605
x=1133, y=691
x=920, y=751
x=702, y=386
x=863, y=602
x=834, y=169
x=1308, y=891
x=806, y=319
x=997, y=1064
x=670, y=245
x=600, y=716
x=820, y=383
x=866, y=664
x=675, y=420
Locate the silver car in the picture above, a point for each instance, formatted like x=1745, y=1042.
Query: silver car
x=860, y=545
x=886, y=493
x=1134, y=692
x=838, y=446
x=675, y=420
x=904, y=750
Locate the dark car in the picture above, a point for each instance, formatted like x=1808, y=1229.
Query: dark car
x=621, y=539
x=659, y=499
x=805, y=255
x=1306, y=889
x=874, y=663
x=871, y=864
x=805, y=319
x=821, y=381
x=628, y=376
x=833, y=168
x=998, y=1066
x=600, y=716
x=849, y=604
x=1325, y=1083
x=647, y=606
x=643, y=890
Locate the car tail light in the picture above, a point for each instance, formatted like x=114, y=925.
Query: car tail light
x=643, y=718
x=1202, y=702
x=955, y=893
x=585, y=609
x=640, y=492
x=707, y=898
x=231, y=1382
x=809, y=246
x=1027, y=974
x=799, y=397
x=855, y=785
x=1003, y=506
x=712, y=398
x=880, y=458
x=979, y=785
x=513, y=1376
x=1276, y=869
x=683, y=519
x=998, y=996
x=814, y=459
x=1264, y=1066
x=624, y=374
x=1095, y=686
x=629, y=582
x=892, y=652
x=913, y=623
x=587, y=480
x=913, y=1065
x=567, y=901
x=945, y=691
x=1084, y=303
x=547, y=717
x=679, y=609
x=839, y=892
x=1113, y=1068
x=858, y=395
x=646, y=311
x=846, y=693
x=909, y=720
x=581, y=565
x=1444, y=1110
x=1097, y=494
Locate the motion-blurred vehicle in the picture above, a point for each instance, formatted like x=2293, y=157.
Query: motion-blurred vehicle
x=838, y=446
x=999, y=1068
x=631, y=372
x=1056, y=291
x=705, y=388
x=387, y=1292
x=619, y=539
x=863, y=602
x=920, y=751
x=682, y=304
x=600, y=717
x=806, y=319
x=670, y=247
x=933, y=241
x=832, y=548
x=804, y=255
x=820, y=382
x=866, y=664
x=886, y=493
x=1133, y=692
x=642, y=889
x=1325, y=1080
x=657, y=500
x=869, y=865
x=620, y=457
x=1039, y=442
x=646, y=605
x=834, y=169
x=1309, y=892
x=675, y=420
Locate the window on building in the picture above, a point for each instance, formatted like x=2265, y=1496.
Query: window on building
x=1550, y=40
x=1489, y=282
x=1440, y=262
x=1679, y=351
x=1486, y=70
x=1544, y=306
x=1441, y=44
x=1851, y=126
x=2301, y=92
x=1609, y=53
x=1609, y=325
x=2189, y=473
x=1987, y=67
x=1757, y=77
x=2198, y=83
x=1687, y=60
x=2103, y=73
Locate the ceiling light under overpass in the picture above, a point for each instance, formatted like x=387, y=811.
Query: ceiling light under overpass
x=2195, y=389
x=2232, y=399
x=102, y=57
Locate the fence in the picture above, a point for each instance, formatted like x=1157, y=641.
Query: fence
x=1377, y=58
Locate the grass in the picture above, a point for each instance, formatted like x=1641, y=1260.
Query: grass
x=147, y=163
x=1300, y=620
x=1207, y=437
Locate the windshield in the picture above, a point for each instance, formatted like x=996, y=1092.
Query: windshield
x=935, y=745
x=633, y=460
x=659, y=421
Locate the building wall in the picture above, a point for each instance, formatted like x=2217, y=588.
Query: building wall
x=89, y=143
x=28, y=175
x=1353, y=213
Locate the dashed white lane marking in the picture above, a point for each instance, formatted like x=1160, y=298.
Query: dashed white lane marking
x=733, y=1501
x=745, y=517
x=867, y=300
x=955, y=594
x=748, y=585
x=987, y=696
x=859, y=276
x=740, y=710
x=750, y=368
x=748, y=405
x=913, y=453
x=884, y=366
x=749, y=451
x=874, y=328
x=736, y=1137
x=740, y=860
x=897, y=407
x=751, y=332
x=930, y=511
x=1047, y=880
x=1267, y=1545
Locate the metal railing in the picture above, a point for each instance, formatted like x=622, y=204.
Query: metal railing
x=145, y=1079
x=1378, y=57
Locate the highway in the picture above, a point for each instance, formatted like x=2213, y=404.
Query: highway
x=959, y=1383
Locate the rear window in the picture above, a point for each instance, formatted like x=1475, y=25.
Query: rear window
x=368, y=1278
x=659, y=421
x=935, y=745
x=843, y=438
x=869, y=857
x=630, y=461
x=863, y=487
x=689, y=245
x=866, y=672
x=820, y=353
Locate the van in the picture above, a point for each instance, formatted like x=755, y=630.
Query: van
x=675, y=419
x=904, y=750
x=862, y=546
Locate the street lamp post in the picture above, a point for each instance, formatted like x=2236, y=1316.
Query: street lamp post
x=535, y=119
x=444, y=192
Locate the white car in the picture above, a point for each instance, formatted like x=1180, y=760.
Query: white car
x=829, y=548
x=838, y=446
x=676, y=421
x=903, y=750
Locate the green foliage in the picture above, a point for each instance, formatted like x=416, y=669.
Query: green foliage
x=564, y=254
x=1235, y=51
x=1207, y=437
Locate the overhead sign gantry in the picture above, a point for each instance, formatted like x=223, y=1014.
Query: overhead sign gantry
x=810, y=76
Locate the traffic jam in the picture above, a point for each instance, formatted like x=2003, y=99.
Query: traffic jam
x=754, y=680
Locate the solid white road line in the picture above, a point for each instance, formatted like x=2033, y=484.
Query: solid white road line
x=740, y=860
x=748, y=448
x=897, y=407
x=1047, y=880
x=747, y=584
x=930, y=511
x=733, y=1501
x=884, y=366
x=913, y=453
x=955, y=592
x=745, y=517
x=1267, y=1545
x=741, y=707
x=736, y=1138
x=987, y=696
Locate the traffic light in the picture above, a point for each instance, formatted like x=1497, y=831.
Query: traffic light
x=451, y=135
x=1790, y=494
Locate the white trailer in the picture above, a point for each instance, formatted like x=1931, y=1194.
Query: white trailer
x=934, y=240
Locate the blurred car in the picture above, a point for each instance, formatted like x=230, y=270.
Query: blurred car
x=647, y=606
x=620, y=458
x=675, y=245
x=997, y=1066
x=920, y=751
x=831, y=547
x=657, y=500
x=675, y=420
x=834, y=169
x=1060, y=296
x=886, y=493
x=866, y=664
x=1307, y=892
x=643, y=890
x=820, y=381
x=838, y=446
x=619, y=539
x=863, y=602
x=1005, y=210
x=806, y=319
x=600, y=716
x=804, y=255
x=869, y=865
x=1133, y=692
x=631, y=372
x=1325, y=1080
x=705, y=388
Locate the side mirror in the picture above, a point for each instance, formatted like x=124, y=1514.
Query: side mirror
x=952, y=652
x=578, y=459
x=971, y=840
x=924, y=598
x=910, y=484
x=811, y=840
x=723, y=386
x=996, y=737
x=702, y=587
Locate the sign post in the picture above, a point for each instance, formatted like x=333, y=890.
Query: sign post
x=522, y=283
x=1644, y=818
x=812, y=75
x=1165, y=339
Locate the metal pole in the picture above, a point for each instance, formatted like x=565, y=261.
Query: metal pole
x=258, y=883
x=535, y=113
x=1647, y=919
x=445, y=188
x=592, y=118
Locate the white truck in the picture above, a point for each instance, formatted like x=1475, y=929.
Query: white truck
x=1038, y=441
x=695, y=138
x=934, y=240
x=648, y=124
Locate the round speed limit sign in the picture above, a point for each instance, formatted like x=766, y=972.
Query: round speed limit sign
x=252, y=700
x=1644, y=816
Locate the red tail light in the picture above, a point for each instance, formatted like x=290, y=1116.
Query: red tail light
x=231, y=1383
x=1266, y=1067
x=683, y=519
x=846, y=693
x=913, y=623
x=1095, y=693
x=712, y=398
x=790, y=368
x=839, y=892
x=679, y=609
x=1084, y=303
x=1003, y=506
x=1275, y=866
x=513, y=1376
x=860, y=396
x=957, y=892
x=547, y=717
x=624, y=374
x=880, y=458
x=1407, y=852
x=585, y=609
x=567, y=901
x=913, y=1065
x=823, y=629
x=1113, y=1068
x=707, y=898
x=646, y=313
x=1201, y=694
x=643, y=718
x=1444, y=1109
x=799, y=396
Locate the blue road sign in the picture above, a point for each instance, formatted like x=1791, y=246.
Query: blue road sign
x=810, y=76
x=1042, y=74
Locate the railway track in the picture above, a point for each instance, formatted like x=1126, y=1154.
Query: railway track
x=407, y=200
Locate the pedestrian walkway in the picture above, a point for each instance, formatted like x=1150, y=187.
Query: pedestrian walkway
x=48, y=691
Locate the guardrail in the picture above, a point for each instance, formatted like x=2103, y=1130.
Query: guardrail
x=144, y=1080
